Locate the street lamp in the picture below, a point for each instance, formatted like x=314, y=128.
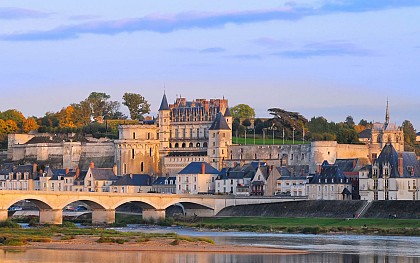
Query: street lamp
x=273, y=128
x=294, y=135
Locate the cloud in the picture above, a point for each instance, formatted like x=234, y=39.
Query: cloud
x=83, y=17
x=270, y=42
x=247, y=57
x=213, y=50
x=20, y=13
x=329, y=48
x=203, y=20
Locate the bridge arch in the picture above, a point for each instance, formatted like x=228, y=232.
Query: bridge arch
x=144, y=204
x=40, y=202
x=92, y=202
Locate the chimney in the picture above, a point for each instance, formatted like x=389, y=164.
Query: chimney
x=92, y=165
x=203, y=168
x=34, y=168
x=318, y=171
x=77, y=172
x=400, y=165
x=114, y=169
x=67, y=170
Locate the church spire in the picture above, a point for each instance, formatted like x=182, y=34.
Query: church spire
x=387, y=112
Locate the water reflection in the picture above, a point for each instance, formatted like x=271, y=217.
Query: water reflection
x=53, y=256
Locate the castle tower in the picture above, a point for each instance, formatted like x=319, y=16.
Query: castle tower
x=228, y=117
x=220, y=137
x=164, y=124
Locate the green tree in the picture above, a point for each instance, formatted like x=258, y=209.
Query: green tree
x=98, y=104
x=242, y=111
x=136, y=104
x=409, y=132
x=349, y=121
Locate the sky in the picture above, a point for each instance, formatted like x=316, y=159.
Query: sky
x=330, y=58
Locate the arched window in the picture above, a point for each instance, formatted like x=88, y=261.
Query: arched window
x=141, y=166
x=170, y=145
x=183, y=145
x=176, y=145
x=205, y=144
x=198, y=144
x=150, y=151
x=191, y=145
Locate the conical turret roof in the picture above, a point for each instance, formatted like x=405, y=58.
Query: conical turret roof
x=227, y=112
x=219, y=123
x=164, y=104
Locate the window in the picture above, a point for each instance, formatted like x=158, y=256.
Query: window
x=125, y=168
x=150, y=151
x=291, y=157
x=142, y=166
x=132, y=153
x=134, y=135
x=148, y=135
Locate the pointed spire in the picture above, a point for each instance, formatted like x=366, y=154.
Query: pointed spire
x=387, y=112
x=164, y=104
x=227, y=113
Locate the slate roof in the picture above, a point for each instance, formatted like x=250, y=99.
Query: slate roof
x=227, y=112
x=330, y=174
x=388, y=155
x=346, y=165
x=195, y=168
x=164, y=104
x=6, y=168
x=24, y=168
x=161, y=180
x=219, y=123
x=134, y=180
x=105, y=174
x=365, y=134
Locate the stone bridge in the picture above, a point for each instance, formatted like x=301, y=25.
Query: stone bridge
x=103, y=205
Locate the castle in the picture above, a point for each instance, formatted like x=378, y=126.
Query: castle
x=193, y=131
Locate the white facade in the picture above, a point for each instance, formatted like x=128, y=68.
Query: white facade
x=293, y=186
x=327, y=191
x=195, y=183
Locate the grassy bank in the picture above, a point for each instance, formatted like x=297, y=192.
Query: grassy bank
x=12, y=234
x=405, y=227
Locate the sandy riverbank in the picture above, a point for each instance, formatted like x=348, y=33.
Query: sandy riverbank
x=158, y=245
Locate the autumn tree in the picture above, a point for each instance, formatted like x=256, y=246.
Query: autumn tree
x=65, y=117
x=30, y=124
x=13, y=115
x=136, y=104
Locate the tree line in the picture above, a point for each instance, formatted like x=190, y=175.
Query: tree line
x=97, y=115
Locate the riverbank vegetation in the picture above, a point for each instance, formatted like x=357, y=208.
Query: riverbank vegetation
x=370, y=226
x=12, y=234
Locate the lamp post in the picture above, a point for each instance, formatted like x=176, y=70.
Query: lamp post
x=293, y=135
x=245, y=135
x=263, y=130
x=254, y=135
x=273, y=128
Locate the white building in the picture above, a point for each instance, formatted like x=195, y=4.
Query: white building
x=330, y=184
x=195, y=178
x=393, y=176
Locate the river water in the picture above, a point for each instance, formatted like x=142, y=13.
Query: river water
x=321, y=248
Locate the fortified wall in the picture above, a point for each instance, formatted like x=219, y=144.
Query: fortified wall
x=50, y=150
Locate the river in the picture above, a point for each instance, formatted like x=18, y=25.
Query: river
x=321, y=248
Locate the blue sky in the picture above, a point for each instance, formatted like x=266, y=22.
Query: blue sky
x=320, y=58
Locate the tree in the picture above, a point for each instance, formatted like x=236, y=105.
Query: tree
x=349, y=121
x=30, y=124
x=136, y=104
x=13, y=115
x=409, y=132
x=65, y=118
x=242, y=111
x=98, y=103
x=82, y=113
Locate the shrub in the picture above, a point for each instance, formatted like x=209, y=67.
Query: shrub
x=9, y=224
